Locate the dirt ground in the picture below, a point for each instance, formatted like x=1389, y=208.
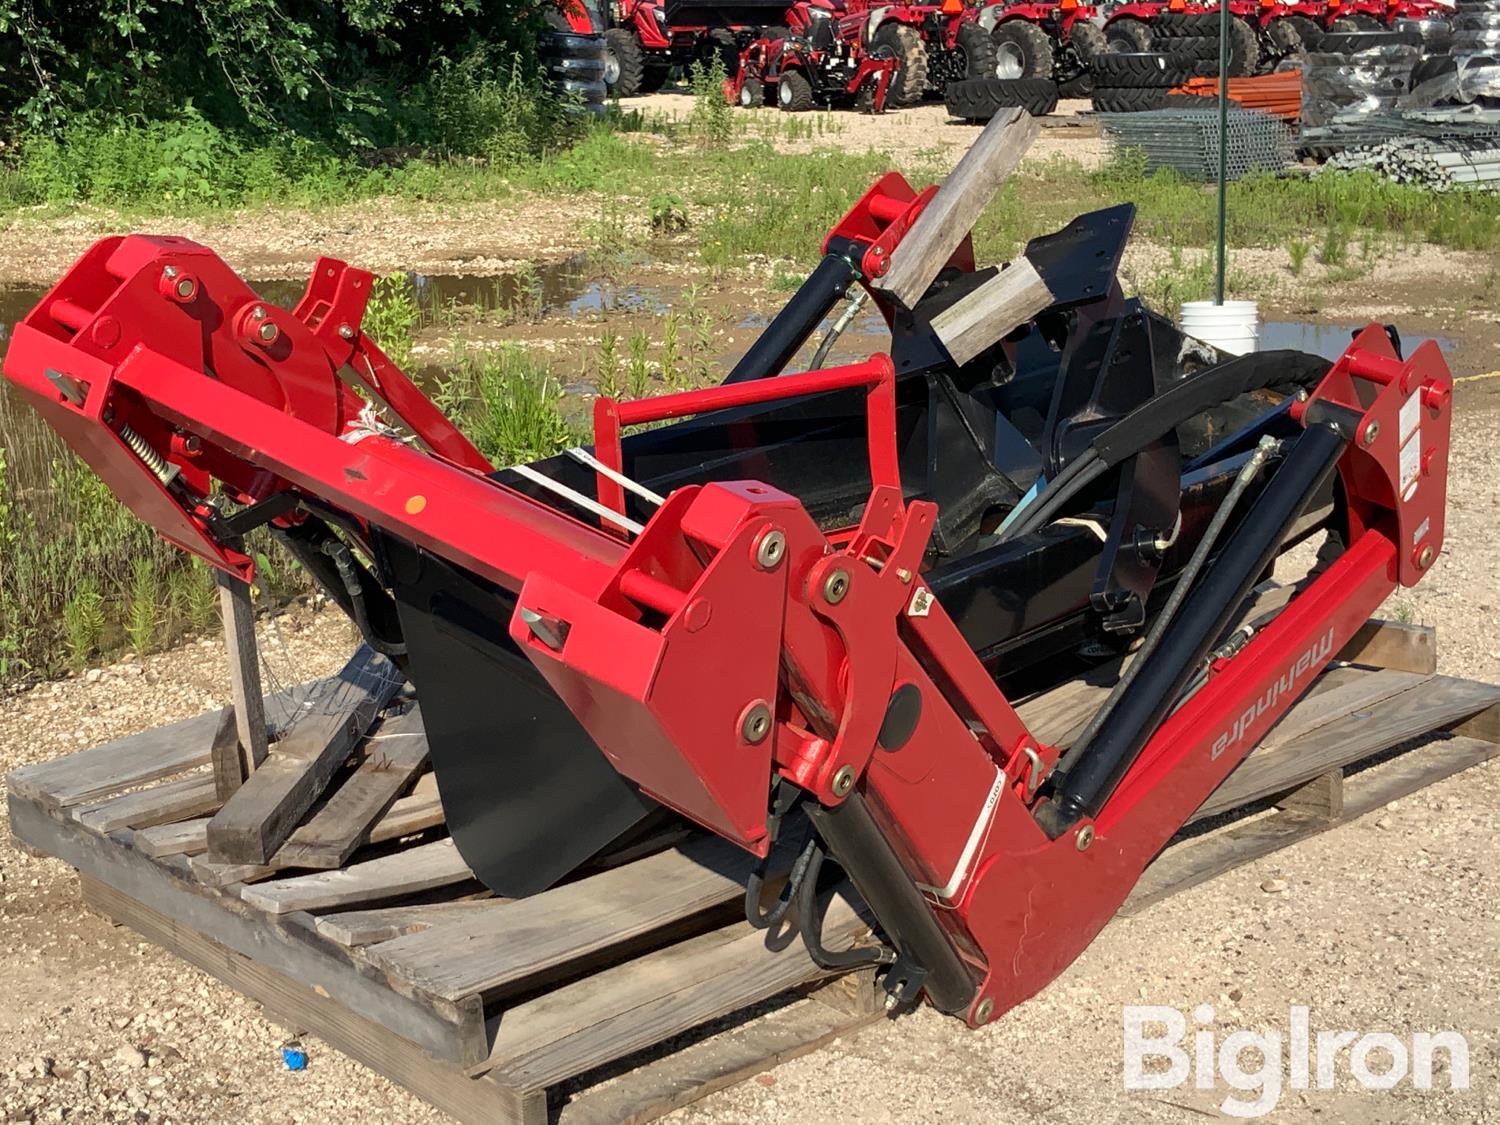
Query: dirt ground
x=1388, y=923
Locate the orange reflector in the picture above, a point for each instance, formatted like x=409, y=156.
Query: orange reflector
x=1068, y=5
x=952, y=7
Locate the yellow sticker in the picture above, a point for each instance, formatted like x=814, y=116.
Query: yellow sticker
x=415, y=505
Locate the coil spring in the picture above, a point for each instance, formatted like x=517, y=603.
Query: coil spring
x=149, y=457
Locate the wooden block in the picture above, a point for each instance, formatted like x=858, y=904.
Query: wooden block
x=262, y=813
x=947, y=220
x=511, y=941
x=394, y=753
x=401, y=873
x=1485, y=725
x=1197, y=860
x=186, y=837
x=1392, y=644
x=1323, y=796
x=999, y=306
x=235, y=762
x=856, y=994
x=191, y=795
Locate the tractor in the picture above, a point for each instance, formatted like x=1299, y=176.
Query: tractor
x=821, y=60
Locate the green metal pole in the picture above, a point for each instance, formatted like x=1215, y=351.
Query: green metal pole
x=1223, y=149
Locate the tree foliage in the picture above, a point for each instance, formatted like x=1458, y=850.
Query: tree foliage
x=339, y=70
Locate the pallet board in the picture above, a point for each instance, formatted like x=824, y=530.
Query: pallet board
x=366, y=928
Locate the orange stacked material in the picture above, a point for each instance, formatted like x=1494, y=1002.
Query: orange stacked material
x=1278, y=94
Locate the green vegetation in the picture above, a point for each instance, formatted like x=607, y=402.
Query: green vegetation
x=294, y=121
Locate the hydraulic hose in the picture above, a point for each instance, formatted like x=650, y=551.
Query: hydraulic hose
x=1248, y=472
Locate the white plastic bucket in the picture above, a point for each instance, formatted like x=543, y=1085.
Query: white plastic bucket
x=1233, y=327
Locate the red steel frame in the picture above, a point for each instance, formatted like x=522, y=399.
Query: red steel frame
x=665, y=647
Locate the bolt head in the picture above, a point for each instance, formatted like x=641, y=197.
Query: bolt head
x=1424, y=560
x=756, y=723
x=267, y=332
x=1372, y=431
x=186, y=287
x=1085, y=837
x=258, y=312
x=835, y=586
x=770, y=550
x=843, y=781
x=984, y=1011
x=345, y=332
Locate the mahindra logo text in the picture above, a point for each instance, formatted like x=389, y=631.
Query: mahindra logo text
x=1280, y=688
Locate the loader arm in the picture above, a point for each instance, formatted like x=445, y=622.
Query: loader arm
x=735, y=658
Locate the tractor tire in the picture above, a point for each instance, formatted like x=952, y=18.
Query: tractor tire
x=1128, y=35
x=1186, y=25
x=1022, y=51
x=574, y=66
x=624, y=62
x=720, y=43
x=1142, y=69
x=1130, y=99
x=904, y=44
x=974, y=54
x=1307, y=30
x=1201, y=48
x=794, y=93
x=979, y=99
x=1244, y=49
x=1356, y=23
x=1079, y=86
x=1088, y=41
x=1285, y=39
x=752, y=94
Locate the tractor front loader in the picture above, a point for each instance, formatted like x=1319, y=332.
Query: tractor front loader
x=798, y=610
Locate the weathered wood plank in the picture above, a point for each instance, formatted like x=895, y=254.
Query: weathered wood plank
x=512, y=941
x=221, y=875
x=261, y=814
x=192, y=795
x=420, y=809
x=403, y=873
x=437, y=1082
x=947, y=220
x=186, y=837
x=995, y=309
x=394, y=752
x=715, y=1063
x=1187, y=864
x=366, y=927
x=136, y=760
x=235, y=761
x=451, y=1031
x=1393, y=644
x=1432, y=703
x=609, y=1015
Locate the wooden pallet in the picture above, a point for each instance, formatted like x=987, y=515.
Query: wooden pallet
x=636, y=988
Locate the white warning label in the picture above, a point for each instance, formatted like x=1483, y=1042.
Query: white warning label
x=1411, y=464
x=1411, y=414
